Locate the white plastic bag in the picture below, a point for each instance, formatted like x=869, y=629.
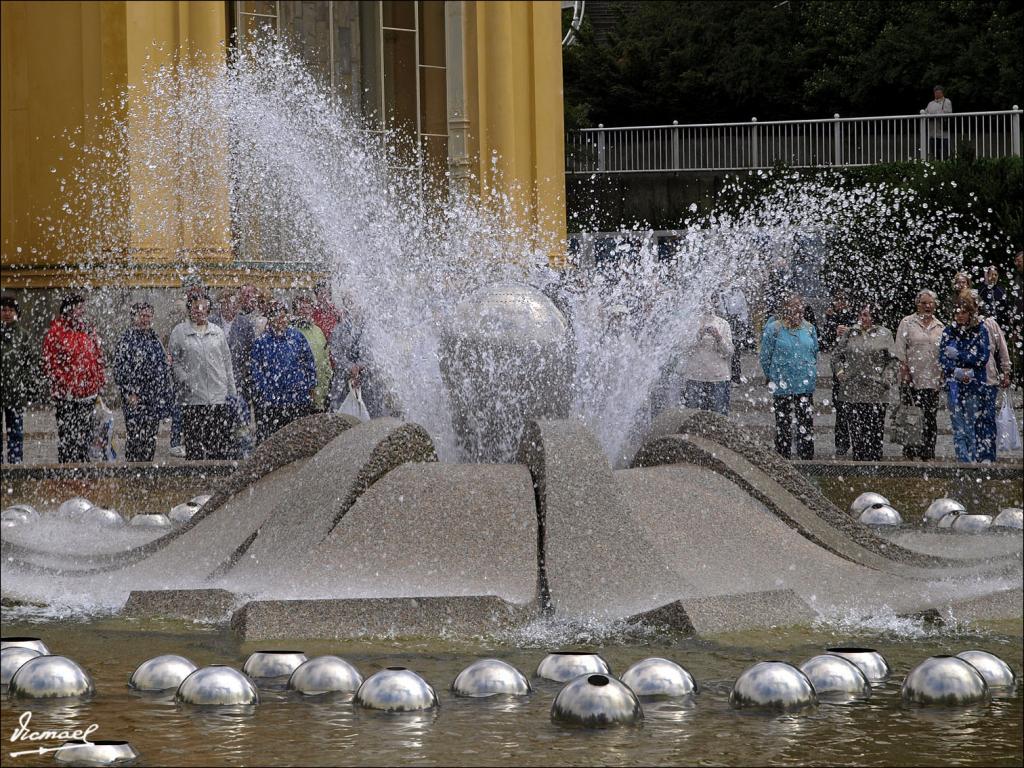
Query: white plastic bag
x=353, y=404
x=1007, y=431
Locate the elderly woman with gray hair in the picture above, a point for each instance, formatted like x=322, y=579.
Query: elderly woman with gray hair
x=917, y=350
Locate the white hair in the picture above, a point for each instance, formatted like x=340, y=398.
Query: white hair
x=926, y=292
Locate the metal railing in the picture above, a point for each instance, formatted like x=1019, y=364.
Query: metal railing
x=796, y=143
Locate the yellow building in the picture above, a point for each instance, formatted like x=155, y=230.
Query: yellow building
x=468, y=80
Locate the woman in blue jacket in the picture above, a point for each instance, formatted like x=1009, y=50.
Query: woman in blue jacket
x=283, y=374
x=789, y=359
x=963, y=356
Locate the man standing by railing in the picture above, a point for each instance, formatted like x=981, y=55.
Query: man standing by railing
x=938, y=132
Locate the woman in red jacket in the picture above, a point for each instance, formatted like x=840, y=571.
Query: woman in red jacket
x=74, y=364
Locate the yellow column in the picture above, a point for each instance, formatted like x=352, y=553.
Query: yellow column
x=513, y=59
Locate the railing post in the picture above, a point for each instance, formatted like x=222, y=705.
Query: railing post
x=837, y=140
x=755, y=149
x=600, y=147
x=675, y=145
x=924, y=137
x=1015, y=131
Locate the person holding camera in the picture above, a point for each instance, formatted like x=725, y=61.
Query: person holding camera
x=706, y=372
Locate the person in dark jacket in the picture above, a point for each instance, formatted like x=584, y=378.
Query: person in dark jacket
x=992, y=297
x=142, y=372
x=16, y=367
x=283, y=374
x=963, y=355
x=839, y=318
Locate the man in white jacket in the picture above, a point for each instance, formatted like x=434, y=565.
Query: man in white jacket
x=201, y=364
x=706, y=370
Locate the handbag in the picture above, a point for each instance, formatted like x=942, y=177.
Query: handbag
x=907, y=425
x=353, y=405
x=1007, y=431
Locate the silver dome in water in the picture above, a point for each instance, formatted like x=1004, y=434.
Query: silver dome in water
x=73, y=508
x=562, y=666
x=773, y=685
x=944, y=680
x=268, y=665
x=970, y=523
x=182, y=513
x=1011, y=517
x=659, y=677
x=880, y=514
x=868, y=660
x=157, y=520
x=396, y=689
x=217, y=685
x=161, y=673
x=946, y=521
x=96, y=753
x=939, y=508
x=997, y=673
x=50, y=677
x=864, y=501
x=106, y=518
x=200, y=500
x=831, y=674
x=24, y=642
x=9, y=523
x=595, y=701
x=325, y=674
x=20, y=513
x=490, y=677
x=12, y=659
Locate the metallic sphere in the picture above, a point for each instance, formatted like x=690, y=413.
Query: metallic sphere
x=182, y=513
x=217, y=685
x=880, y=514
x=864, y=501
x=267, y=665
x=596, y=701
x=20, y=513
x=944, y=680
x=773, y=685
x=971, y=523
x=158, y=520
x=490, y=677
x=11, y=660
x=50, y=677
x=200, y=500
x=946, y=521
x=106, y=518
x=997, y=673
x=563, y=666
x=868, y=660
x=396, y=689
x=831, y=674
x=939, y=508
x=96, y=753
x=325, y=674
x=25, y=642
x=511, y=312
x=1011, y=517
x=161, y=673
x=73, y=508
x=659, y=677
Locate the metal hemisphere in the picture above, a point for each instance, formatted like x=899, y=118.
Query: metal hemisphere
x=158, y=520
x=880, y=514
x=512, y=313
x=11, y=660
x=868, y=660
x=947, y=520
x=971, y=523
x=864, y=501
x=73, y=508
x=596, y=701
x=24, y=642
x=945, y=681
x=161, y=673
x=997, y=673
x=563, y=666
x=396, y=689
x=106, y=518
x=20, y=513
x=490, y=677
x=325, y=674
x=1011, y=517
x=267, y=665
x=200, y=500
x=659, y=677
x=939, y=508
x=217, y=685
x=96, y=753
x=7, y=524
x=182, y=513
x=773, y=685
x=831, y=674
x=50, y=677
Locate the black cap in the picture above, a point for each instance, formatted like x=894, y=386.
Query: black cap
x=70, y=300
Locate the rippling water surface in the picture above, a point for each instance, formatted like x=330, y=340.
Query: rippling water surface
x=702, y=730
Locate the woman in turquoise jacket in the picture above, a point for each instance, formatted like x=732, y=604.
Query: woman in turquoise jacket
x=789, y=360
